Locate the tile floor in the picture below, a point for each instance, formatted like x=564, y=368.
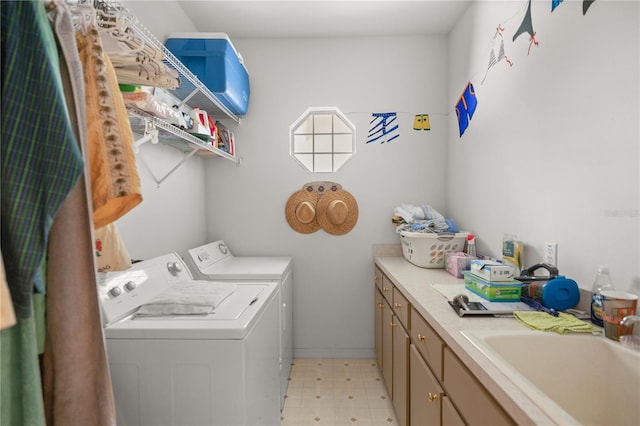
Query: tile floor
x=337, y=392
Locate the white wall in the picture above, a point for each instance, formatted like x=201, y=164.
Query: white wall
x=551, y=153
x=333, y=275
x=172, y=214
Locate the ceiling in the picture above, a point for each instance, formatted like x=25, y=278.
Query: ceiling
x=328, y=18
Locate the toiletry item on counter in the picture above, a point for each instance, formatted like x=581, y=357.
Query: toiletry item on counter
x=602, y=282
x=471, y=245
x=455, y=262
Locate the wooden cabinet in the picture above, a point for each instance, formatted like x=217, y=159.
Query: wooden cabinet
x=400, y=372
x=401, y=307
x=392, y=343
x=426, y=381
x=475, y=405
x=387, y=346
x=427, y=342
x=378, y=328
x=387, y=288
x=450, y=416
x=425, y=393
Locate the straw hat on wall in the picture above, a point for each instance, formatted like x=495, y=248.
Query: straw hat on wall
x=337, y=212
x=300, y=211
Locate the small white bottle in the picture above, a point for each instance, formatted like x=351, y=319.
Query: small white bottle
x=602, y=282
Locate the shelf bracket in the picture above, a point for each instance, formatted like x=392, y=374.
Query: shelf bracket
x=150, y=134
x=171, y=171
x=187, y=98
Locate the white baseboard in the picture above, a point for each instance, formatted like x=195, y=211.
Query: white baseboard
x=335, y=353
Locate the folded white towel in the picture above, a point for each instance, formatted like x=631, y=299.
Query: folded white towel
x=192, y=297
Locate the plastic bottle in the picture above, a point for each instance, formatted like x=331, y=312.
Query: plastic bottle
x=602, y=282
x=471, y=245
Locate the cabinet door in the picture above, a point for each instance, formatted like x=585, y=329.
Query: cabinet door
x=400, y=372
x=378, y=326
x=425, y=392
x=474, y=403
x=387, y=346
x=450, y=416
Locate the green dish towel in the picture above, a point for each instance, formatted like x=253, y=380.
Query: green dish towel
x=562, y=324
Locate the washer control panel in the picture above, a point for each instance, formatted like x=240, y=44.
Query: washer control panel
x=122, y=292
x=209, y=254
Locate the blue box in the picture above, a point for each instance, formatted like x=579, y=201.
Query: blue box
x=214, y=60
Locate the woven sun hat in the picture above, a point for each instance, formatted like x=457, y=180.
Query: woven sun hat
x=337, y=211
x=300, y=211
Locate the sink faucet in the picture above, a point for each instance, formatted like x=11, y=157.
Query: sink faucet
x=630, y=319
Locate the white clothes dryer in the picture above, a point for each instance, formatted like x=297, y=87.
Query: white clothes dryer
x=220, y=368
x=214, y=261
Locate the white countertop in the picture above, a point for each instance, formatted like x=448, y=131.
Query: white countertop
x=416, y=284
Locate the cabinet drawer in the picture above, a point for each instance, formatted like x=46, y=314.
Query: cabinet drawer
x=377, y=278
x=427, y=342
x=387, y=289
x=401, y=307
x=474, y=403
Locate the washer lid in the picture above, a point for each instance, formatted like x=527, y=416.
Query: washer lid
x=232, y=319
x=215, y=261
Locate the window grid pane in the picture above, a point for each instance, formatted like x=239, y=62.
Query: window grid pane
x=322, y=140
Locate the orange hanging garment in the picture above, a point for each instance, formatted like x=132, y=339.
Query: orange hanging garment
x=115, y=184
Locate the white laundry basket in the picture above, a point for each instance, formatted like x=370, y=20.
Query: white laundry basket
x=426, y=250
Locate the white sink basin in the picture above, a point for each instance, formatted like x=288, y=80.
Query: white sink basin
x=574, y=379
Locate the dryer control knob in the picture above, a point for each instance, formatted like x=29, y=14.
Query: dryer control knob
x=115, y=292
x=174, y=267
x=130, y=286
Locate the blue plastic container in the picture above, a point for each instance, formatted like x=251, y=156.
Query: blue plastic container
x=214, y=60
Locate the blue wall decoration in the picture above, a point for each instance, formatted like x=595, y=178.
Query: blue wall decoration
x=466, y=107
x=383, y=127
x=555, y=3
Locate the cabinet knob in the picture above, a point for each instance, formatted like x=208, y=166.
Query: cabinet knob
x=433, y=396
x=385, y=289
x=397, y=305
x=391, y=324
x=420, y=338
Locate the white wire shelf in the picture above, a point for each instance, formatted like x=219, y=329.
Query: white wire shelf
x=141, y=123
x=191, y=89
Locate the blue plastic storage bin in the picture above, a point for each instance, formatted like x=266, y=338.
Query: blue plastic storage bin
x=214, y=60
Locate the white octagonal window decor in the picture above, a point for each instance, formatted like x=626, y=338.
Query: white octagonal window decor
x=322, y=139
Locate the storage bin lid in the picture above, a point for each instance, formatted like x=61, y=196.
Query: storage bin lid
x=207, y=36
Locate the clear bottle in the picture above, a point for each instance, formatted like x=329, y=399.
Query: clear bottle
x=602, y=282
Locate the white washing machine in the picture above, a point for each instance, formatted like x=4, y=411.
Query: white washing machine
x=214, y=261
x=221, y=368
